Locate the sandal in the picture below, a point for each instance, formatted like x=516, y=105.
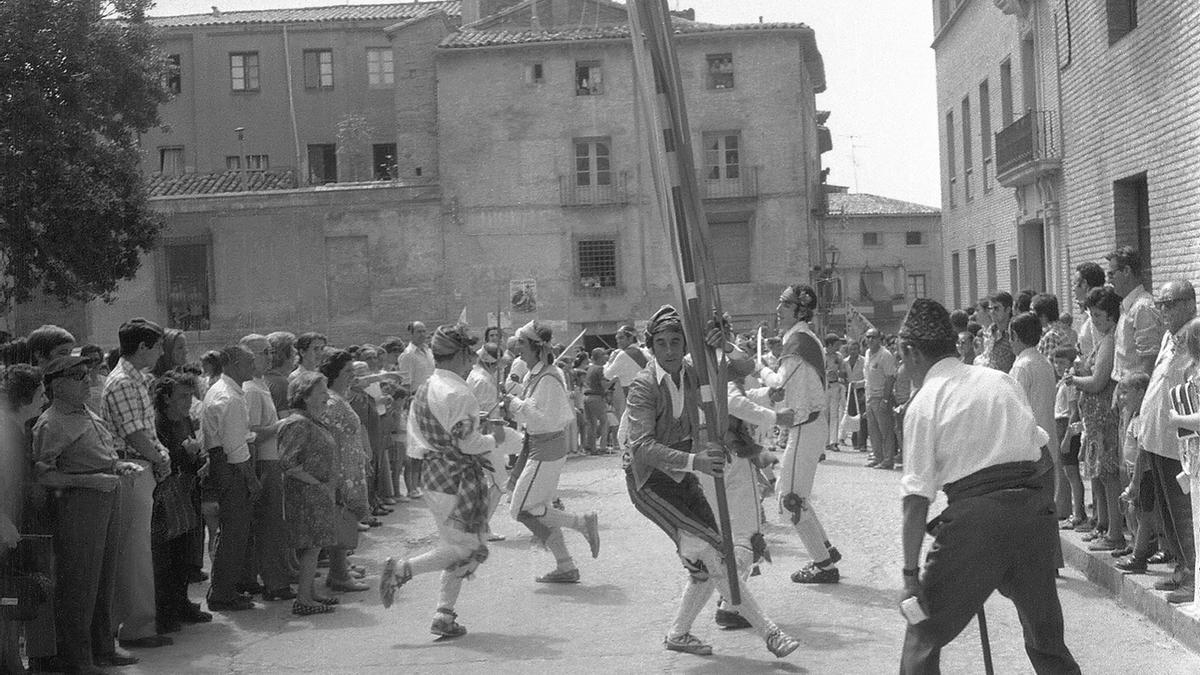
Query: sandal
x=391, y=580
x=328, y=602
x=302, y=609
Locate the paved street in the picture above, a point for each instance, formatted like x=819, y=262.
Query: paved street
x=615, y=619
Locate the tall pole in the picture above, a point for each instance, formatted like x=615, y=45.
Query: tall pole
x=660, y=92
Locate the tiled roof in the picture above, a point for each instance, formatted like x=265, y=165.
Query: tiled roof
x=468, y=38
x=861, y=204
x=216, y=183
x=391, y=11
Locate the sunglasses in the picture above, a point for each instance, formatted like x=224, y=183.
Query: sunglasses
x=77, y=375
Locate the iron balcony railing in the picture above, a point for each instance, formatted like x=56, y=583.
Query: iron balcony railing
x=1031, y=138
x=601, y=189
x=745, y=184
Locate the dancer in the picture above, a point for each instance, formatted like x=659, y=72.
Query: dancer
x=666, y=454
x=998, y=531
x=801, y=377
x=444, y=422
x=545, y=411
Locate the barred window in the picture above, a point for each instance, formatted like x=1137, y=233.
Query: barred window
x=597, y=263
x=243, y=71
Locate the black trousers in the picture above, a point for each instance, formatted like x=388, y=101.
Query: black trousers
x=1174, y=508
x=1003, y=541
x=86, y=545
x=172, y=565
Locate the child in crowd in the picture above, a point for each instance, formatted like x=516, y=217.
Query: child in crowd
x=1140, y=514
x=1066, y=409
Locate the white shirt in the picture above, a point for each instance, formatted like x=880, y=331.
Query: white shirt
x=261, y=412
x=225, y=421
x=1170, y=369
x=1034, y=373
x=482, y=382
x=622, y=368
x=544, y=408
x=457, y=410
x=880, y=366
x=803, y=391
x=1138, y=335
x=964, y=419
x=415, y=365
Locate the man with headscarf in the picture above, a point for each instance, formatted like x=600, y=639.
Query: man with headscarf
x=444, y=423
x=543, y=407
x=801, y=378
x=666, y=453
x=998, y=531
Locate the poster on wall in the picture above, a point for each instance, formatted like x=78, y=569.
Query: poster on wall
x=522, y=295
x=505, y=320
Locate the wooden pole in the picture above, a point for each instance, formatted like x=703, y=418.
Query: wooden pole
x=660, y=90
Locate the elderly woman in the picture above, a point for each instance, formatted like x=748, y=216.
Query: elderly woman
x=544, y=408
x=21, y=399
x=351, y=437
x=308, y=456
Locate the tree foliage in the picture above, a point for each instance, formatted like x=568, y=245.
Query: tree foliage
x=79, y=80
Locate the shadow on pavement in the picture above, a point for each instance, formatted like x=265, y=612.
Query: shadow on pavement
x=740, y=664
x=496, y=644
x=599, y=594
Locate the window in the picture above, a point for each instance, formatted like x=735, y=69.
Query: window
x=721, y=160
x=318, y=69
x=383, y=159
x=871, y=287
x=243, y=71
x=731, y=244
x=233, y=163
x=188, y=282
x=380, y=67
x=322, y=163
x=257, y=163
x=872, y=239
x=597, y=262
x=914, y=238
x=174, y=76
x=1012, y=276
x=951, y=160
x=1131, y=216
x=989, y=254
x=956, y=278
x=916, y=286
x=985, y=131
x=1006, y=99
x=170, y=160
x=535, y=73
x=968, y=160
x=1122, y=18
x=720, y=71
x=973, y=274
x=588, y=78
x=592, y=163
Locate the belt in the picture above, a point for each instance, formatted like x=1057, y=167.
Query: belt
x=593, y=393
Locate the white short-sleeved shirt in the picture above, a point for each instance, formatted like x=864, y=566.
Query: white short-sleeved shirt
x=964, y=419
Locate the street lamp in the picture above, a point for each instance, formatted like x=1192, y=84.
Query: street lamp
x=241, y=134
x=827, y=282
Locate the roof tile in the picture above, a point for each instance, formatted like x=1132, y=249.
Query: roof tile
x=390, y=12
x=467, y=38
x=862, y=204
x=217, y=183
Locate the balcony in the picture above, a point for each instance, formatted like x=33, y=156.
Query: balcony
x=745, y=185
x=573, y=194
x=1028, y=149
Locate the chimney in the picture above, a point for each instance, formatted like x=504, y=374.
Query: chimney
x=216, y=11
x=470, y=12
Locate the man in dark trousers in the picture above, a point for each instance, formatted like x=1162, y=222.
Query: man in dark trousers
x=998, y=531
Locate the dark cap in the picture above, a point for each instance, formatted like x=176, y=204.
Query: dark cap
x=60, y=365
x=927, y=320
x=832, y=339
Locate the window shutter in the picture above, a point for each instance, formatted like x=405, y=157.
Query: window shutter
x=312, y=70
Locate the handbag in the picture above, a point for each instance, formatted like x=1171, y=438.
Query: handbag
x=345, y=528
x=174, y=512
x=22, y=586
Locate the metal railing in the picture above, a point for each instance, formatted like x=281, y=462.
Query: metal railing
x=573, y=194
x=744, y=185
x=1031, y=138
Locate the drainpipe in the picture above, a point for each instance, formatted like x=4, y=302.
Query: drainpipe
x=301, y=165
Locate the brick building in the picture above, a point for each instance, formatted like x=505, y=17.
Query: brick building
x=1059, y=142
x=514, y=157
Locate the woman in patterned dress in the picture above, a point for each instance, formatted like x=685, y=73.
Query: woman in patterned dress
x=308, y=456
x=1100, y=453
x=351, y=438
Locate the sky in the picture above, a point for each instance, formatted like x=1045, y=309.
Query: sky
x=879, y=71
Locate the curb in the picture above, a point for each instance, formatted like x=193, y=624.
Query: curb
x=1135, y=591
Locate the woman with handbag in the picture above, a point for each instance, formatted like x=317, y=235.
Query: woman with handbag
x=21, y=398
x=175, y=519
x=308, y=456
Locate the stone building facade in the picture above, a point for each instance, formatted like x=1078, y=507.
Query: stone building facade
x=517, y=159
x=1066, y=130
